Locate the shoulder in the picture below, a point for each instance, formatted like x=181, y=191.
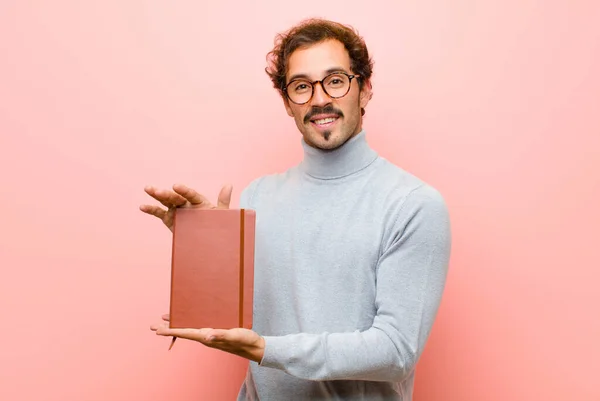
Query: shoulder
x=411, y=202
x=401, y=187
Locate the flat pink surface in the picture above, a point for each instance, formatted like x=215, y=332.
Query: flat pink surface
x=496, y=103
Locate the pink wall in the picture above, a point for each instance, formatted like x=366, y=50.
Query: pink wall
x=496, y=103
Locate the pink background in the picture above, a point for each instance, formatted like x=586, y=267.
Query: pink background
x=496, y=103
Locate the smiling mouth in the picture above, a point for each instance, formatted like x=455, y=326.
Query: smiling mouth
x=325, y=121
x=324, y=125
x=322, y=116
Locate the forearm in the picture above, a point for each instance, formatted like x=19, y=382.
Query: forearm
x=369, y=355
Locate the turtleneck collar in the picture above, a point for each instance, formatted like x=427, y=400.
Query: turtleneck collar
x=349, y=158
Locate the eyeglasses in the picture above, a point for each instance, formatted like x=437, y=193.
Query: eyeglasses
x=335, y=85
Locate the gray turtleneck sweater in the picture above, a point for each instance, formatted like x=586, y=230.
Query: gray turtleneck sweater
x=350, y=265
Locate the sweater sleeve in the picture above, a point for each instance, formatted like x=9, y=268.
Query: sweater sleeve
x=411, y=276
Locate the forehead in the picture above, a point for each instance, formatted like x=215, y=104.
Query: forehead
x=314, y=61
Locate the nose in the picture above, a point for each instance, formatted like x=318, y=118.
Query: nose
x=320, y=98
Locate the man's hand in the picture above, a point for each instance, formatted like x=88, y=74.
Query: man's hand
x=182, y=196
x=242, y=342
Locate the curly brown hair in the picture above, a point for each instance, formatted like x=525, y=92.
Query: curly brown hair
x=311, y=31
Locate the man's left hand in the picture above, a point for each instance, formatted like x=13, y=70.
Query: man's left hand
x=242, y=342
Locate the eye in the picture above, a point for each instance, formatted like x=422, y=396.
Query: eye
x=301, y=87
x=336, y=81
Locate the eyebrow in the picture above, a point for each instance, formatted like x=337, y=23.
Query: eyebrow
x=329, y=71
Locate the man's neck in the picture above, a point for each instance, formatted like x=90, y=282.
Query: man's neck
x=354, y=155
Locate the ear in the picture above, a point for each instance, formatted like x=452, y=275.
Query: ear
x=366, y=94
x=286, y=104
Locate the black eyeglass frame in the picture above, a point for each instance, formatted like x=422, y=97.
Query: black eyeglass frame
x=320, y=82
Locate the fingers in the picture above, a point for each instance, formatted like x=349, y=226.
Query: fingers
x=204, y=336
x=162, y=328
x=225, y=197
x=200, y=335
x=159, y=327
x=154, y=211
x=169, y=199
x=182, y=194
x=191, y=195
x=167, y=216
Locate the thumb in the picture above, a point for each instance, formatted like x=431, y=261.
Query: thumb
x=225, y=197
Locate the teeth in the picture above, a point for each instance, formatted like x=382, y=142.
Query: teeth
x=325, y=120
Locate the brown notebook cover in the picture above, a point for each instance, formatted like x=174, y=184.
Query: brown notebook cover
x=212, y=268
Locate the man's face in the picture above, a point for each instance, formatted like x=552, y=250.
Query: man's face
x=313, y=119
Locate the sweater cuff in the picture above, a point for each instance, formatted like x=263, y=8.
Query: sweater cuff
x=276, y=352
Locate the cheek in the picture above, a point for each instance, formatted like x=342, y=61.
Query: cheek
x=299, y=113
x=351, y=107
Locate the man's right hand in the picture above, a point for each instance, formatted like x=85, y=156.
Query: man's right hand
x=182, y=196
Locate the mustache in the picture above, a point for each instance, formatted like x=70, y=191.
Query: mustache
x=329, y=109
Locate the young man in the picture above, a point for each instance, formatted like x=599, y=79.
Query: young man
x=351, y=251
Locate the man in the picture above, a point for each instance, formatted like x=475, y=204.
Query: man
x=351, y=251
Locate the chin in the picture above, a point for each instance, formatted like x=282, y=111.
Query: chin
x=326, y=142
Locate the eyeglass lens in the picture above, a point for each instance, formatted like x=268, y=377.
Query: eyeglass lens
x=335, y=85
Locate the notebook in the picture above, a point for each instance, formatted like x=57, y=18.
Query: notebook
x=212, y=268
